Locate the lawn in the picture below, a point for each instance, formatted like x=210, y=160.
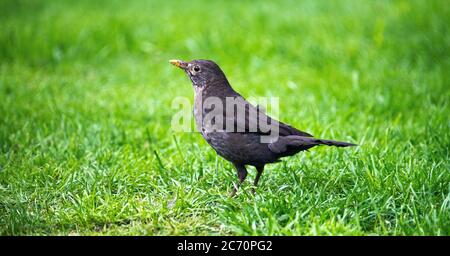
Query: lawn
x=86, y=90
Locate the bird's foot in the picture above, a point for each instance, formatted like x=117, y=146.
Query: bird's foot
x=233, y=193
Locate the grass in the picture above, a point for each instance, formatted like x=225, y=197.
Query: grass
x=86, y=89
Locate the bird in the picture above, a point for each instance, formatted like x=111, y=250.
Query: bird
x=240, y=136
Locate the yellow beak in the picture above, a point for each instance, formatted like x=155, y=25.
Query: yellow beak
x=178, y=63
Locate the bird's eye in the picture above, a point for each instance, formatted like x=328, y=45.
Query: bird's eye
x=196, y=68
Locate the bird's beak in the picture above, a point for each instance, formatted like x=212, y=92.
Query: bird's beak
x=179, y=63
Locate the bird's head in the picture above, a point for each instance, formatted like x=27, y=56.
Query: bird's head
x=201, y=72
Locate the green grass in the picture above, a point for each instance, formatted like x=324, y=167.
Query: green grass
x=85, y=109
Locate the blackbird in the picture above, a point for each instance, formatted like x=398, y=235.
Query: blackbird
x=246, y=136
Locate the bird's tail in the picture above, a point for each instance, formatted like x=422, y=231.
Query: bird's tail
x=333, y=143
x=285, y=144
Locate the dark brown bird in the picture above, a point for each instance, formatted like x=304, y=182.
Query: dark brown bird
x=245, y=135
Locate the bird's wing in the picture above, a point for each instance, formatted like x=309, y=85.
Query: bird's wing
x=256, y=121
x=291, y=144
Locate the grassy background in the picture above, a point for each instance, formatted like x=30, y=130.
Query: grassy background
x=85, y=110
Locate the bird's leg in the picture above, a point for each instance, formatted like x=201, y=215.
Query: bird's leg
x=260, y=170
x=242, y=174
